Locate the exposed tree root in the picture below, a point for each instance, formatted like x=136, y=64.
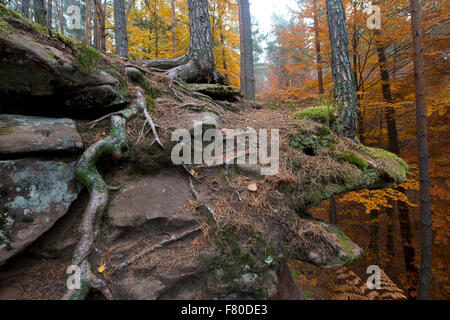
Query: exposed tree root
x=153, y=248
x=196, y=195
x=152, y=125
x=86, y=172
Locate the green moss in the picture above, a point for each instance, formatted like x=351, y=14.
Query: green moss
x=354, y=159
x=150, y=94
x=53, y=56
x=7, y=132
x=393, y=167
x=308, y=295
x=4, y=27
x=239, y=270
x=310, y=142
x=86, y=59
x=323, y=114
x=6, y=11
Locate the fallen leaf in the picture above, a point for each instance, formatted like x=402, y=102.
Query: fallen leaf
x=102, y=268
x=252, y=187
x=195, y=242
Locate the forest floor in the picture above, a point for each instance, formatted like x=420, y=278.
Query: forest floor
x=28, y=276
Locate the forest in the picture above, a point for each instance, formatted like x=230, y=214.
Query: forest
x=353, y=94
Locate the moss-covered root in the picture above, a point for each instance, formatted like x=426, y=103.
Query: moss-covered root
x=87, y=174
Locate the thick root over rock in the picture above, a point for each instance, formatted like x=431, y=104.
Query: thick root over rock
x=87, y=174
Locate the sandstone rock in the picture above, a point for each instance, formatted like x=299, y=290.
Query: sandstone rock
x=22, y=134
x=34, y=194
x=140, y=288
x=326, y=246
x=158, y=199
x=207, y=120
x=42, y=76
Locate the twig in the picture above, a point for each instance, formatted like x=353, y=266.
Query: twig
x=94, y=123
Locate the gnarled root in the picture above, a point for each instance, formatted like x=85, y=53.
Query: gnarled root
x=86, y=172
x=187, y=68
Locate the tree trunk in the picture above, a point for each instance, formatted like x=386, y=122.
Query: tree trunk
x=422, y=141
x=344, y=84
x=174, y=28
x=26, y=8
x=50, y=13
x=120, y=28
x=101, y=28
x=374, y=245
x=333, y=211
x=318, y=49
x=198, y=64
x=87, y=22
x=155, y=22
x=408, y=250
x=39, y=11
x=246, y=44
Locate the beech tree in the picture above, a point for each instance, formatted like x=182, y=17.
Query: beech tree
x=344, y=84
x=424, y=156
x=246, y=46
x=198, y=64
x=120, y=28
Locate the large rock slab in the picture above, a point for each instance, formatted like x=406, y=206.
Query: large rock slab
x=34, y=194
x=46, y=73
x=22, y=134
x=157, y=200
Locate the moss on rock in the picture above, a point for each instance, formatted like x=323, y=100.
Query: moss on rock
x=86, y=59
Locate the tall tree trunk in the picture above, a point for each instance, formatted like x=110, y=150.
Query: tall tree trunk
x=39, y=11
x=155, y=22
x=101, y=28
x=318, y=49
x=374, y=243
x=50, y=13
x=198, y=64
x=333, y=211
x=26, y=8
x=120, y=29
x=344, y=84
x=224, y=55
x=408, y=249
x=246, y=45
x=174, y=27
x=60, y=16
x=87, y=22
x=422, y=141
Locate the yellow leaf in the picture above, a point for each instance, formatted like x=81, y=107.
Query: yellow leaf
x=102, y=268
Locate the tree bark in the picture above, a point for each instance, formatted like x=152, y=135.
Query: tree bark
x=26, y=8
x=101, y=28
x=39, y=11
x=174, y=27
x=50, y=13
x=333, y=211
x=318, y=49
x=120, y=28
x=87, y=22
x=374, y=243
x=408, y=250
x=422, y=141
x=246, y=45
x=344, y=84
